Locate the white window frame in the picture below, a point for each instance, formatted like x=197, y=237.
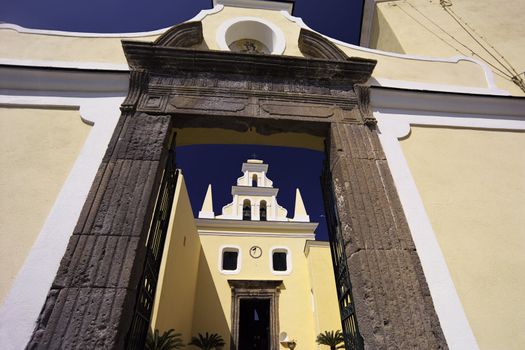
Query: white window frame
x=288, y=260
x=230, y=248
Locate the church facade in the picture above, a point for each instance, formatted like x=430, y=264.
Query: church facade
x=250, y=274
x=423, y=183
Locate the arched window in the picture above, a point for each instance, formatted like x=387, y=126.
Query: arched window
x=262, y=211
x=280, y=261
x=246, y=210
x=254, y=180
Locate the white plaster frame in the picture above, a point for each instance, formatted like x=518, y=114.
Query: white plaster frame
x=396, y=112
x=54, y=89
x=230, y=248
x=281, y=249
x=251, y=26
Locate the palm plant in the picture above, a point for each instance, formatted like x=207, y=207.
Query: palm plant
x=208, y=341
x=331, y=339
x=167, y=341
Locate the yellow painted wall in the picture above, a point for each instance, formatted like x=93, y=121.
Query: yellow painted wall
x=382, y=36
x=28, y=46
x=213, y=304
x=38, y=148
x=326, y=308
x=391, y=32
x=472, y=183
x=210, y=136
x=175, y=296
x=416, y=29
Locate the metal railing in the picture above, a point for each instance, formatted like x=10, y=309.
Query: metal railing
x=353, y=340
x=155, y=246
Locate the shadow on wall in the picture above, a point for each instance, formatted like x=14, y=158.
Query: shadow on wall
x=209, y=315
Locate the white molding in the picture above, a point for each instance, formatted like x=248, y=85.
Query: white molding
x=309, y=244
x=26, y=80
x=394, y=124
x=281, y=249
x=254, y=191
x=488, y=74
x=227, y=223
x=65, y=64
x=411, y=85
x=428, y=103
x=229, y=247
x=22, y=306
x=276, y=42
x=237, y=233
x=201, y=15
x=257, y=4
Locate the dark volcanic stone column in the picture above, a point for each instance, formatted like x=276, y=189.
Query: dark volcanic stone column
x=91, y=302
x=393, y=304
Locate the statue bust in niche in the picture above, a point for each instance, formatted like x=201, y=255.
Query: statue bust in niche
x=249, y=46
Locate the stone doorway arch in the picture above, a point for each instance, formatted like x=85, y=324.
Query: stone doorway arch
x=94, y=298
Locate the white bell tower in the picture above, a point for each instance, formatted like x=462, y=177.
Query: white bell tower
x=254, y=198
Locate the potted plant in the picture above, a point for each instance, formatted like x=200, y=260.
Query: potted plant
x=208, y=341
x=331, y=339
x=167, y=341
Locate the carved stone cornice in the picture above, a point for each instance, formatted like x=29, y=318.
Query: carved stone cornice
x=182, y=35
x=363, y=101
x=172, y=61
x=315, y=45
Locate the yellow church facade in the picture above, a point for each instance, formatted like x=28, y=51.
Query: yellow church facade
x=450, y=125
x=212, y=273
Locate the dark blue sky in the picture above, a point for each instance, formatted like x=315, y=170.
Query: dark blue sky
x=289, y=168
x=340, y=19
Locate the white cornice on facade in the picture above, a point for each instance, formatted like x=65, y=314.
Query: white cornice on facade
x=258, y=4
x=256, y=167
x=283, y=229
x=309, y=244
x=17, y=78
x=254, y=191
x=470, y=106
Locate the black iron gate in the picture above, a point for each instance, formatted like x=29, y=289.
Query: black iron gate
x=155, y=246
x=353, y=340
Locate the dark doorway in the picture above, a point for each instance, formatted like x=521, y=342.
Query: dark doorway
x=254, y=324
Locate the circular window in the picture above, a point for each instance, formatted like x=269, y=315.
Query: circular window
x=251, y=35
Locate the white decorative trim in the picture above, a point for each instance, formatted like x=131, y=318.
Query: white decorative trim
x=199, y=17
x=488, y=74
x=21, y=307
x=272, y=225
x=281, y=249
x=237, y=233
x=427, y=103
x=26, y=80
x=257, y=4
x=252, y=28
x=411, y=85
x=395, y=112
x=309, y=244
x=65, y=64
x=254, y=191
x=230, y=248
